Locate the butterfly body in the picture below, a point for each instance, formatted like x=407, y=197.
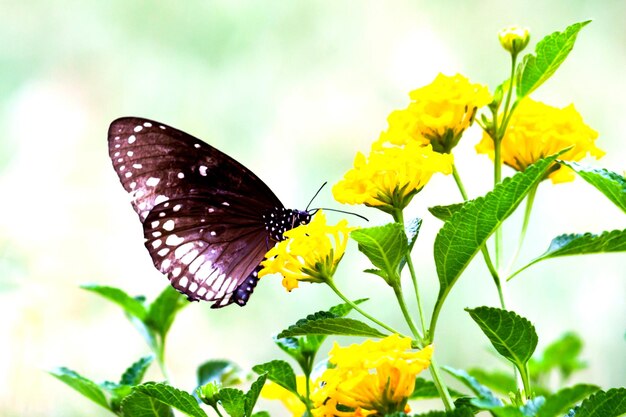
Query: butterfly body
x=208, y=221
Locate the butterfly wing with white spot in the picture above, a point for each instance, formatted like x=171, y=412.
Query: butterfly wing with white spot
x=201, y=210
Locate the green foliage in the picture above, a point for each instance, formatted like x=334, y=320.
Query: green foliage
x=222, y=371
x=81, y=384
x=427, y=389
x=131, y=306
x=609, y=183
x=385, y=246
x=253, y=394
x=233, y=400
x=462, y=236
x=279, y=372
x=499, y=381
x=551, y=51
x=326, y=323
x=483, y=394
x=445, y=212
x=562, y=354
x=511, y=335
x=154, y=399
x=458, y=412
x=558, y=404
x=134, y=374
x=611, y=403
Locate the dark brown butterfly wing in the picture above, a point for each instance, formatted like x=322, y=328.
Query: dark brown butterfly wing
x=201, y=210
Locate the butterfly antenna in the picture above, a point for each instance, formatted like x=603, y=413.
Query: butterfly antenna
x=318, y=191
x=341, y=211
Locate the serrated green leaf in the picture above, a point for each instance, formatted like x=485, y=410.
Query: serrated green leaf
x=482, y=392
x=457, y=412
x=139, y=405
x=223, y=371
x=253, y=394
x=385, y=246
x=233, y=401
x=462, y=236
x=551, y=51
x=261, y=414
x=131, y=306
x=134, y=374
x=279, y=372
x=445, y=212
x=151, y=394
x=611, y=403
x=163, y=309
x=118, y=392
x=342, y=310
x=511, y=335
x=498, y=381
x=427, y=389
x=330, y=325
x=562, y=354
x=609, y=183
x=559, y=404
x=85, y=386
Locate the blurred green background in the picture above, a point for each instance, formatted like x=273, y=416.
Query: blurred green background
x=292, y=89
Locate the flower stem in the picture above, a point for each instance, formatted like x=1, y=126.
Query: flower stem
x=441, y=386
x=398, y=216
x=331, y=284
x=397, y=289
x=529, y=206
x=459, y=183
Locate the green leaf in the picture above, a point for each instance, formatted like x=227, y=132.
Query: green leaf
x=482, y=392
x=551, y=52
x=140, y=405
x=131, y=306
x=427, y=389
x=253, y=394
x=342, y=310
x=163, y=310
x=326, y=323
x=261, y=414
x=581, y=244
x=611, y=403
x=118, y=392
x=562, y=354
x=233, y=401
x=496, y=380
x=385, y=246
x=151, y=394
x=134, y=374
x=607, y=182
x=559, y=404
x=445, y=212
x=279, y=372
x=226, y=372
x=81, y=384
x=462, y=236
x=511, y=335
x=457, y=412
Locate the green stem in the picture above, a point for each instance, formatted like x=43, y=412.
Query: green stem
x=492, y=270
x=405, y=312
x=160, y=354
x=529, y=206
x=307, y=403
x=441, y=386
x=398, y=216
x=526, y=381
x=217, y=411
x=331, y=284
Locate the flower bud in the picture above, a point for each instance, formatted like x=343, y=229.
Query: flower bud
x=209, y=393
x=514, y=39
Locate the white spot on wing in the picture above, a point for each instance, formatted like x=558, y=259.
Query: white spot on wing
x=193, y=287
x=165, y=265
x=196, y=145
x=177, y=207
x=138, y=128
x=156, y=243
x=137, y=166
x=183, y=282
x=130, y=153
x=176, y=271
x=202, y=169
x=163, y=251
x=174, y=240
x=169, y=225
x=160, y=199
x=132, y=139
x=152, y=181
x=128, y=174
x=181, y=175
x=147, y=124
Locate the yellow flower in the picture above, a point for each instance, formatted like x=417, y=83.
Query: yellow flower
x=514, y=39
x=309, y=252
x=373, y=378
x=390, y=176
x=291, y=401
x=537, y=130
x=438, y=114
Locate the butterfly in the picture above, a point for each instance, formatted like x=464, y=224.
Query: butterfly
x=208, y=221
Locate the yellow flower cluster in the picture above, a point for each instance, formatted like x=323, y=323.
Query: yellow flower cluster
x=537, y=130
x=309, y=252
x=390, y=176
x=373, y=378
x=292, y=403
x=438, y=113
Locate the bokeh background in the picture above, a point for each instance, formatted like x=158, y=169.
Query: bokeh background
x=292, y=90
